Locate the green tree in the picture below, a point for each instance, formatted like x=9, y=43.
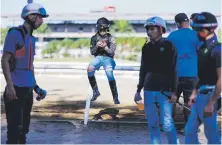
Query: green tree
x=121, y=26
x=52, y=47
x=80, y=43
x=137, y=44
x=131, y=57
x=67, y=44
x=70, y=44
x=130, y=44
x=4, y=32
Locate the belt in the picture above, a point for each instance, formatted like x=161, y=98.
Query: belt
x=104, y=55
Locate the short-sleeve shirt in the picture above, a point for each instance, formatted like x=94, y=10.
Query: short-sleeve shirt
x=186, y=42
x=21, y=78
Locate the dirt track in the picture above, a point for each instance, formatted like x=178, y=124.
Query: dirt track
x=66, y=100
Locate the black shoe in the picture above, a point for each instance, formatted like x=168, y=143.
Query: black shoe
x=96, y=94
x=114, y=91
x=22, y=138
x=93, y=83
x=116, y=100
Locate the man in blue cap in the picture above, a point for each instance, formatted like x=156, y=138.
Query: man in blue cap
x=158, y=79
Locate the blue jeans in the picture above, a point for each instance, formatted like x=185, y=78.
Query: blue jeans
x=107, y=63
x=154, y=122
x=196, y=119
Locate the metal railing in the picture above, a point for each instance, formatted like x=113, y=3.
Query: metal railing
x=72, y=67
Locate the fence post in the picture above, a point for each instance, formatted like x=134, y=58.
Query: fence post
x=88, y=99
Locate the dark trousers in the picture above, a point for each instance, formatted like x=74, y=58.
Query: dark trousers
x=219, y=103
x=18, y=115
x=186, y=86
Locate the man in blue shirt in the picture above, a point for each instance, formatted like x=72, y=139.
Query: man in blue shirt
x=18, y=70
x=186, y=43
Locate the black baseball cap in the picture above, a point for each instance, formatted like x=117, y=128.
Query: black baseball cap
x=181, y=17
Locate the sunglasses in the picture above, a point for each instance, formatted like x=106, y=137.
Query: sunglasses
x=103, y=30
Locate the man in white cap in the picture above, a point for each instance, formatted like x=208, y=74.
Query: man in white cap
x=158, y=77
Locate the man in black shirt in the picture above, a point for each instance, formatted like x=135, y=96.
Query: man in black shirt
x=204, y=110
x=103, y=47
x=158, y=76
x=219, y=99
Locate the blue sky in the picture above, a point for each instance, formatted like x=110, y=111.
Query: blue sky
x=134, y=6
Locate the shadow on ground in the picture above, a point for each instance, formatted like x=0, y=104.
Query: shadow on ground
x=74, y=110
x=65, y=109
